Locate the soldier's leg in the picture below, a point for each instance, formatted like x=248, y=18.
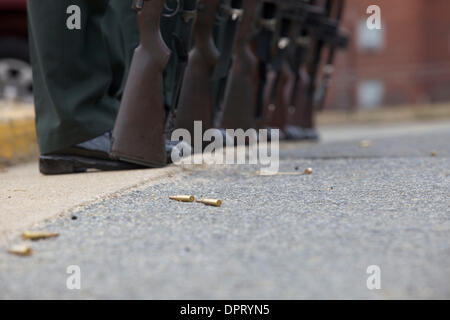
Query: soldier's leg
x=168, y=27
x=79, y=77
x=72, y=73
x=122, y=35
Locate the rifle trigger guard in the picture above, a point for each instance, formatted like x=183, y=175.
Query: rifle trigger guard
x=188, y=15
x=172, y=12
x=220, y=15
x=284, y=43
x=138, y=5
x=328, y=69
x=234, y=13
x=269, y=24
x=302, y=41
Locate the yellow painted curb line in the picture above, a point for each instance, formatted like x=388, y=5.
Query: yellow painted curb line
x=17, y=133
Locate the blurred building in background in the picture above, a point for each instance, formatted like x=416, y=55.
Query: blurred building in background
x=407, y=62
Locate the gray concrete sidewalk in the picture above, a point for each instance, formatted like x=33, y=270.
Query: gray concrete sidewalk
x=288, y=236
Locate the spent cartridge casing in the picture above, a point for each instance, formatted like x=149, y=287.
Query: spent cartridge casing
x=21, y=250
x=210, y=202
x=183, y=198
x=38, y=235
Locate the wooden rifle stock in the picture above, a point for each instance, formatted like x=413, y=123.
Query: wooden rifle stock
x=138, y=134
x=239, y=105
x=196, y=98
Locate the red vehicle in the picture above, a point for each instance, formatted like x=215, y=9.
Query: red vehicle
x=15, y=69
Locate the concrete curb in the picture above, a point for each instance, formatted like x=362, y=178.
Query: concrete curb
x=27, y=198
x=17, y=133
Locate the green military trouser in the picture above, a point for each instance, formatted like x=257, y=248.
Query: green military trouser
x=168, y=27
x=79, y=75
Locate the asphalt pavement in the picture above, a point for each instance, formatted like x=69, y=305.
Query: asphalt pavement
x=385, y=202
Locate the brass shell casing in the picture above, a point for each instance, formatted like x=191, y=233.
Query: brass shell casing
x=210, y=202
x=183, y=198
x=37, y=235
x=20, y=250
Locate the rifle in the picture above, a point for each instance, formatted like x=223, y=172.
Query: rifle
x=340, y=41
x=308, y=18
x=326, y=33
x=265, y=39
x=277, y=105
x=238, y=107
x=293, y=17
x=138, y=134
x=196, y=98
x=180, y=46
x=304, y=101
x=226, y=38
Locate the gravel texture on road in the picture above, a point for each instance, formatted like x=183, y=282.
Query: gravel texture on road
x=287, y=236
